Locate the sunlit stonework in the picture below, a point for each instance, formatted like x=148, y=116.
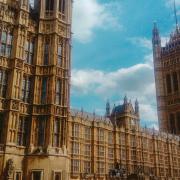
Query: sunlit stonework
x=40, y=137
x=34, y=89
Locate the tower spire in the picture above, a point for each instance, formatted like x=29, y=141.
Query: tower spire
x=175, y=15
x=108, y=109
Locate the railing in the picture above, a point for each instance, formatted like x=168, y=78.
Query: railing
x=89, y=116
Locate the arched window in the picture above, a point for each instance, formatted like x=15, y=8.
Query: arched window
x=172, y=123
x=41, y=127
x=58, y=92
x=57, y=176
x=175, y=82
x=44, y=90
x=57, y=132
x=1, y=127
x=26, y=89
x=168, y=83
x=49, y=5
x=29, y=51
x=46, y=53
x=6, y=44
x=62, y=6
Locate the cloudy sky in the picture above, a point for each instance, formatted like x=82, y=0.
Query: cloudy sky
x=112, y=53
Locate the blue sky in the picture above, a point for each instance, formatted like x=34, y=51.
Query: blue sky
x=112, y=54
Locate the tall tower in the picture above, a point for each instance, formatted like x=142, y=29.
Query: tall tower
x=34, y=88
x=167, y=79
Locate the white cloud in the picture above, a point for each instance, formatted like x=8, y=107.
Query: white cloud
x=90, y=14
x=142, y=42
x=170, y=3
x=155, y=126
x=164, y=40
x=136, y=81
x=147, y=43
x=32, y=3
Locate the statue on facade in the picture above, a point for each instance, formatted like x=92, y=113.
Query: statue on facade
x=9, y=169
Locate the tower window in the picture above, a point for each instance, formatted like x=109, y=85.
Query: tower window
x=22, y=131
x=36, y=175
x=3, y=83
x=49, y=5
x=57, y=132
x=18, y=176
x=26, y=87
x=29, y=52
x=6, y=44
x=75, y=130
x=62, y=6
x=60, y=49
x=168, y=83
x=46, y=53
x=172, y=123
x=175, y=82
x=41, y=124
x=1, y=127
x=58, y=92
x=57, y=176
x=44, y=91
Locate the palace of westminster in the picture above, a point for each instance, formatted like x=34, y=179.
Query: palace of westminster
x=41, y=138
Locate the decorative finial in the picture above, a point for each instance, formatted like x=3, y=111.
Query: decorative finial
x=125, y=99
x=94, y=113
x=136, y=107
x=108, y=109
x=175, y=15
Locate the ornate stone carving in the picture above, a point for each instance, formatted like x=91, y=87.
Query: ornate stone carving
x=9, y=169
x=15, y=105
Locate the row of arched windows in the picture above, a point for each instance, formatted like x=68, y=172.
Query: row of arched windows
x=50, y=5
x=172, y=84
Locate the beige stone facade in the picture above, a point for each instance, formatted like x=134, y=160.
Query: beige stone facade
x=97, y=144
x=35, y=45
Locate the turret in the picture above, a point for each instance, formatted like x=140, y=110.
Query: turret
x=125, y=100
x=125, y=103
x=137, y=107
x=108, y=109
x=156, y=41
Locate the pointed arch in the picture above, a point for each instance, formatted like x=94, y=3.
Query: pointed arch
x=49, y=5
x=62, y=6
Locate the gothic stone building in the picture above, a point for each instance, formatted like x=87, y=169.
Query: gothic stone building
x=40, y=139
x=97, y=144
x=167, y=78
x=34, y=89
